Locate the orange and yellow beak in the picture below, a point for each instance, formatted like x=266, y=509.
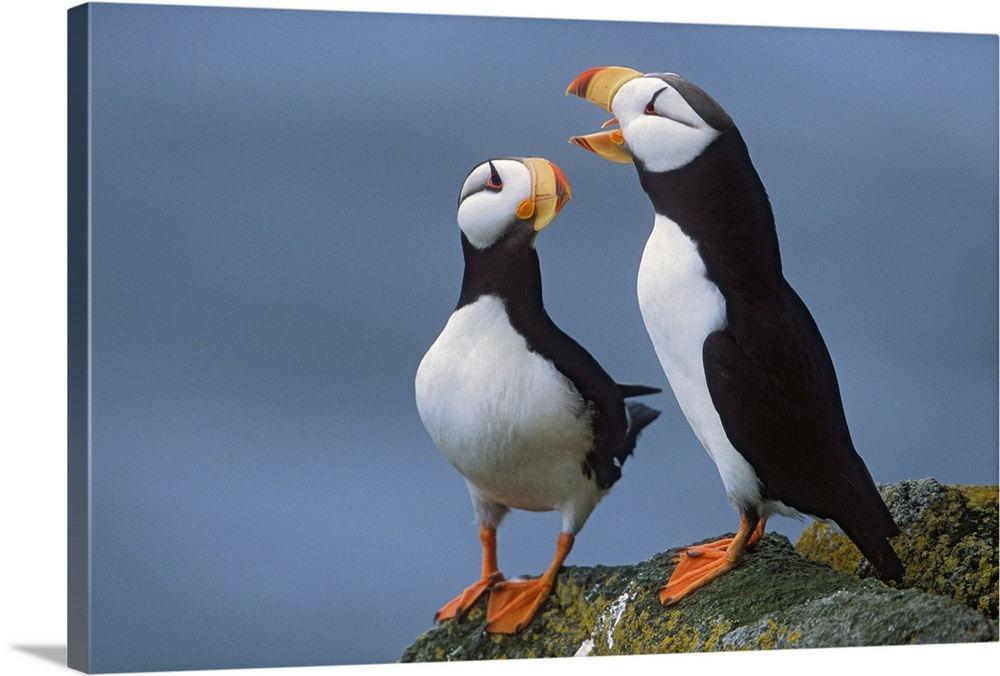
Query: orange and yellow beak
x=599, y=86
x=549, y=192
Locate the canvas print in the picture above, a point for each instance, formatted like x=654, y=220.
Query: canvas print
x=430, y=338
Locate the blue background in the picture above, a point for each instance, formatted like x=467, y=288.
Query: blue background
x=275, y=247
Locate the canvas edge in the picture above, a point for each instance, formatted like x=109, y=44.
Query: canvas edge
x=78, y=338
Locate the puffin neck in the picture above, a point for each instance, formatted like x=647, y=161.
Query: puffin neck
x=509, y=270
x=719, y=201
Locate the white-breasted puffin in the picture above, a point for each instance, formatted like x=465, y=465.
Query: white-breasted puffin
x=743, y=355
x=524, y=412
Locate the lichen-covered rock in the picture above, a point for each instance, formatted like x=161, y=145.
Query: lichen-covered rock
x=948, y=544
x=775, y=599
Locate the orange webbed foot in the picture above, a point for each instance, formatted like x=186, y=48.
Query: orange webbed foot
x=695, y=572
x=461, y=604
x=513, y=604
x=700, y=564
x=707, y=549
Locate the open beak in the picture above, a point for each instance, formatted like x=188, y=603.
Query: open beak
x=606, y=144
x=549, y=192
x=599, y=86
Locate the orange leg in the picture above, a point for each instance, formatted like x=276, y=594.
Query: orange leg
x=514, y=604
x=701, y=564
x=461, y=604
x=722, y=545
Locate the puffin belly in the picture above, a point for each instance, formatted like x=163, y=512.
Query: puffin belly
x=503, y=415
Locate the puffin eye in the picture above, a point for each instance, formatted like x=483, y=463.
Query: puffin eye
x=495, y=183
x=650, y=108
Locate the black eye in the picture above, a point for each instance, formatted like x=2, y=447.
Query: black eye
x=495, y=183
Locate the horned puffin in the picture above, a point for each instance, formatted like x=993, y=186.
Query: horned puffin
x=741, y=351
x=525, y=413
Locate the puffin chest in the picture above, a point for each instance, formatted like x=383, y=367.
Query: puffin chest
x=502, y=414
x=680, y=305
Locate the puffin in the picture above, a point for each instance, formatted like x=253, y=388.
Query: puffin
x=743, y=355
x=520, y=409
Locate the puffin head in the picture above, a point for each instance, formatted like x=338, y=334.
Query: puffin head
x=510, y=196
x=665, y=121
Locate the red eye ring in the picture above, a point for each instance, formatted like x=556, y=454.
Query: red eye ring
x=495, y=183
x=650, y=108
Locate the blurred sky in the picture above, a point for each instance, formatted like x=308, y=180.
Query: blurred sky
x=275, y=247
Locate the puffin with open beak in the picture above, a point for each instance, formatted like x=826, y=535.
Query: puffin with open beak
x=525, y=413
x=741, y=351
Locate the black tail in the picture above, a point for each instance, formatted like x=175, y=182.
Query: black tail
x=609, y=469
x=865, y=518
x=874, y=544
x=637, y=390
x=639, y=415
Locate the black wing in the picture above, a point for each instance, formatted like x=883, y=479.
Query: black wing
x=616, y=425
x=772, y=381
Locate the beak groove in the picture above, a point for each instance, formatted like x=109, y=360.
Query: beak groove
x=550, y=190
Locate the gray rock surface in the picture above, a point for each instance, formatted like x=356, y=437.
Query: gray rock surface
x=776, y=599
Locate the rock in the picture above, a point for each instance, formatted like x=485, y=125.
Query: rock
x=948, y=545
x=775, y=599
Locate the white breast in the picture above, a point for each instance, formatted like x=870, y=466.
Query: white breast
x=681, y=307
x=504, y=416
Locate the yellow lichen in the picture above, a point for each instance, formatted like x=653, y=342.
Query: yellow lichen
x=775, y=636
x=822, y=543
x=638, y=633
x=981, y=498
x=939, y=552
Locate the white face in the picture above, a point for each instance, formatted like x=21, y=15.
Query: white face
x=661, y=130
x=490, y=198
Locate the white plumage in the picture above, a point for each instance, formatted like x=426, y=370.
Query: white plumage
x=491, y=404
